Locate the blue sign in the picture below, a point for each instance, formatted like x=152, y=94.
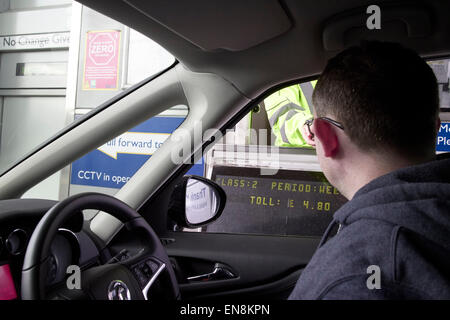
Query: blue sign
x=443, y=139
x=114, y=163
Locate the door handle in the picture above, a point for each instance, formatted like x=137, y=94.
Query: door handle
x=220, y=272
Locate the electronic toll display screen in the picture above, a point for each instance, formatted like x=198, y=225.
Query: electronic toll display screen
x=291, y=202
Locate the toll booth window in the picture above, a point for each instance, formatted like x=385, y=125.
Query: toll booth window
x=41, y=69
x=271, y=176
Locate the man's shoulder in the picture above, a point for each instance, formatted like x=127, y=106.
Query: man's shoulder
x=359, y=243
x=346, y=259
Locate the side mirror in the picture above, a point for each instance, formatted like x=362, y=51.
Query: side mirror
x=196, y=201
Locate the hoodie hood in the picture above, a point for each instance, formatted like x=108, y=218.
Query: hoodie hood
x=416, y=198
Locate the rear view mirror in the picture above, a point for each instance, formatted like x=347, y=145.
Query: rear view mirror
x=196, y=201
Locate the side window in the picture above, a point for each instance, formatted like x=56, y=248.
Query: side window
x=271, y=176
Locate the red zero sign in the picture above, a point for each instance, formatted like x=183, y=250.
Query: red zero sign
x=102, y=48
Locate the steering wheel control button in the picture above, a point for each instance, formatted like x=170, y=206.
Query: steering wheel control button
x=118, y=290
x=16, y=242
x=153, y=265
x=152, y=280
x=140, y=276
x=144, y=271
x=52, y=269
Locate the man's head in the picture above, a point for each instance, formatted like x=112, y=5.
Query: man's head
x=386, y=98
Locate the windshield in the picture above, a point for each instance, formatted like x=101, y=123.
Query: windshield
x=58, y=61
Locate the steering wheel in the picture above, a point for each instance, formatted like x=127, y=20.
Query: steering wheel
x=122, y=280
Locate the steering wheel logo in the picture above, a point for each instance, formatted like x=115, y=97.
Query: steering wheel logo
x=118, y=290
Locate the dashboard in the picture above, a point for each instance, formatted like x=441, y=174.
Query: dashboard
x=71, y=246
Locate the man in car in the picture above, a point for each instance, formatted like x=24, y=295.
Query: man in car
x=374, y=128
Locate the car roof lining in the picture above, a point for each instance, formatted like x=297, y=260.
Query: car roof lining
x=296, y=53
x=248, y=27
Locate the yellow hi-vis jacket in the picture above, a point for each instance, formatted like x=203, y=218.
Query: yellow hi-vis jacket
x=287, y=110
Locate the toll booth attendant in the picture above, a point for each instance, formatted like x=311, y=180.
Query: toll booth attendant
x=287, y=110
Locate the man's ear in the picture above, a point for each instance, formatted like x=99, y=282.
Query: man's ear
x=325, y=132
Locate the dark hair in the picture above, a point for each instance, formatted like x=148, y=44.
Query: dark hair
x=385, y=95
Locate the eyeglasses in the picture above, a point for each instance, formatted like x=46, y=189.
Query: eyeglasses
x=309, y=123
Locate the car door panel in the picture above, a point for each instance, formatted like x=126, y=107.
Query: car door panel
x=263, y=265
